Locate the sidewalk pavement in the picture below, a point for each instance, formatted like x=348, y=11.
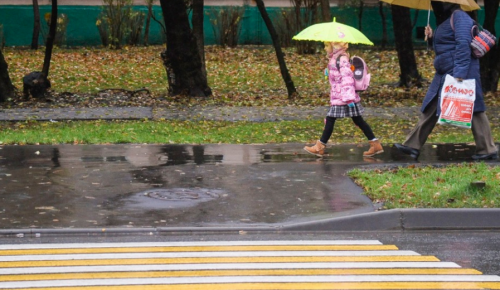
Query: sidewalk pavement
x=253, y=114
x=67, y=189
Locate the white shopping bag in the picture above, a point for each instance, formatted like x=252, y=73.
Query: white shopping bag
x=457, y=102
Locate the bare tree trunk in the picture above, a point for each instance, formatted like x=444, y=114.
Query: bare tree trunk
x=292, y=92
x=36, y=25
x=37, y=83
x=148, y=22
x=384, y=24
x=6, y=87
x=198, y=17
x=50, y=40
x=401, y=19
x=305, y=11
x=181, y=58
x=325, y=10
x=490, y=63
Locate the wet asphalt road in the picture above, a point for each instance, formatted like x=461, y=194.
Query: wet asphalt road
x=469, y=249
x=136, y=189
x=136, y=186
x=226, y=186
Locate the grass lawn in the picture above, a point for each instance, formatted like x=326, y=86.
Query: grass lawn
x=213, y=132
x=450, y=186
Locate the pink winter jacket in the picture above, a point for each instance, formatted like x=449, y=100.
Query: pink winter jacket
x=342, y=82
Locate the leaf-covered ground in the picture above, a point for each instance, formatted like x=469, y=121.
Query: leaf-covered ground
x=243, y=76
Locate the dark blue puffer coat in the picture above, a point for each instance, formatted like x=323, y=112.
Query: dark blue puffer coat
x=453, y=56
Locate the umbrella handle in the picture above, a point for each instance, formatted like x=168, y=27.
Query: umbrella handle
x=429, y=13
x=428, y=18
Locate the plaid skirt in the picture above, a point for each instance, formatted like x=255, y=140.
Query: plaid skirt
x=346, y=111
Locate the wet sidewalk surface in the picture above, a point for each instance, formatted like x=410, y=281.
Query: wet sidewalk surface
x=125, y=186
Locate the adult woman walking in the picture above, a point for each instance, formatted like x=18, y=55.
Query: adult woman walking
x=453, y=56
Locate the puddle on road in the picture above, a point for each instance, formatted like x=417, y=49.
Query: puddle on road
x=185, y=185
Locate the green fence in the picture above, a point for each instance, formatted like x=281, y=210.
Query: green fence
x=17, y=21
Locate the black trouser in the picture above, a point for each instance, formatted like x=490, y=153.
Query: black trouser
x=428, y=118
x=358, y=120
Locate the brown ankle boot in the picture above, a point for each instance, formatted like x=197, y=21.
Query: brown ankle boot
x=375, y=148
x=317, y=149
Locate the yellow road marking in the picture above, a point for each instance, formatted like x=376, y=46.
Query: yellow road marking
x=211, y=273
x=212, y=260
x=232, y=276
x=297, y=286
x=198, y=249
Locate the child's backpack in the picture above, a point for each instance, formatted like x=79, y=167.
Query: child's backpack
x=361, y=74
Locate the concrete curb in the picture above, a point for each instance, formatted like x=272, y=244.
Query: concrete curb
x=389, y=220
x=408, y=220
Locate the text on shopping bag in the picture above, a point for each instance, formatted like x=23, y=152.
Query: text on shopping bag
x=457, y=102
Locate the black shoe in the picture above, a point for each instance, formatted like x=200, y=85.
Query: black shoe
x=408, y=150
x=491, y=156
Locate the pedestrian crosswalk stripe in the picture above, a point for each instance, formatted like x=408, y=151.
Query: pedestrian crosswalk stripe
x=199, y=249
x=232, y=265
x=208, y=273
x=242, y=266
x=215, y=260
x=255, y=279
x=298, y=286
x=205, y=254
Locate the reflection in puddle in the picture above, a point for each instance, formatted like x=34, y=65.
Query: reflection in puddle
x=186, y=185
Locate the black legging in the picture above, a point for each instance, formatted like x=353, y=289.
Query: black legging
x=358, y=120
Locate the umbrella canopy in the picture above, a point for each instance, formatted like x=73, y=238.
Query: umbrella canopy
x=333, y=32
x=466, y=5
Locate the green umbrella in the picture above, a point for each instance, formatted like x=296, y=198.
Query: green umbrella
x=333, y=32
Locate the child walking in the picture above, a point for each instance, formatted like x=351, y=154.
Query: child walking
x=344, y=100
